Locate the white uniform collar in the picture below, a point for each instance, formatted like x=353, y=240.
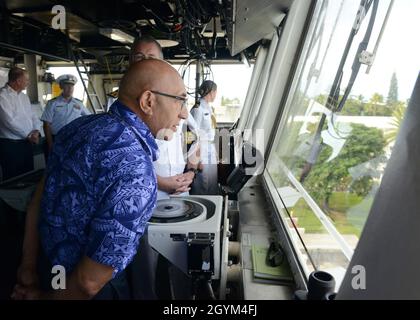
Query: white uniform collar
x=204, y=103
x=11, y=90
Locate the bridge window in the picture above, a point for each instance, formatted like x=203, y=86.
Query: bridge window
x=232, y=83
x=330, y=153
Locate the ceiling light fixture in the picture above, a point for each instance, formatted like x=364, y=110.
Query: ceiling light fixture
x=117, y=35
x=165, y=43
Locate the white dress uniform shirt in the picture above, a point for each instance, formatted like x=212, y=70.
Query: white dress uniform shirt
x=17, y=118
x=171, y=155
x=206, y=181
x=202, y=116
x=60, y=112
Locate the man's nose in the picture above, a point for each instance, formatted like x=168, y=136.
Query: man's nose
x=184, y=113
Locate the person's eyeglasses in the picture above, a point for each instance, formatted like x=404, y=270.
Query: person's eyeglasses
x=183, y=99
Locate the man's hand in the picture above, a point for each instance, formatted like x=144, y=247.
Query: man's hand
x=186, y=179
x=189, y=175
x=27, y=278
x=33, y=137
x=175, y=184
x=27, y=275
x=28, y=293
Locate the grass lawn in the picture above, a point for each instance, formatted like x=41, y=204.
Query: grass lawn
x=306, y=218
x=342, y=201
x=348, y=213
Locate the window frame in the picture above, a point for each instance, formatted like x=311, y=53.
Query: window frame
x=278, y=133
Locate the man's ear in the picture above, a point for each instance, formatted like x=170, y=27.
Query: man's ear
x=147, y=102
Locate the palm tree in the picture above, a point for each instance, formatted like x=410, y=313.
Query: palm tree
x=375, y=102
x=397, y=119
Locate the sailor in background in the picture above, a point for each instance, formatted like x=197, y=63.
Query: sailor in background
x=174, y=173
x=144, y=47
x=206, y=181
x=19, y=126
x=62, y=110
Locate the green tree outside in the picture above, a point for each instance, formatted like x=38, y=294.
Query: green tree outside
x=327, y=178
x=227, y=101
x=392, y=98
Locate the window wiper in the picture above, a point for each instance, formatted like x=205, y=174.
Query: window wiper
x=362, y=48
x=378, y=41
x=332, y=101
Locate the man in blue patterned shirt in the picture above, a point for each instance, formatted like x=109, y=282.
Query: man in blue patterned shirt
x=100, y=189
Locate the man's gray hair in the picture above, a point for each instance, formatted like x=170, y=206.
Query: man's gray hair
x=15, y=73
x=145, y=39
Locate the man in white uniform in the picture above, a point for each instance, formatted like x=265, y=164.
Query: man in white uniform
x=63, y=109
x=19, y=126
x=174, y=175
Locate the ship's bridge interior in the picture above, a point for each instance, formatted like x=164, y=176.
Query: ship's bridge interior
x=316, y=141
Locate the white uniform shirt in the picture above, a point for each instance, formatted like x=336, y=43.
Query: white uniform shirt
x=202, y=116
x=171, y=159
x=17, y=118
x=60, y=112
